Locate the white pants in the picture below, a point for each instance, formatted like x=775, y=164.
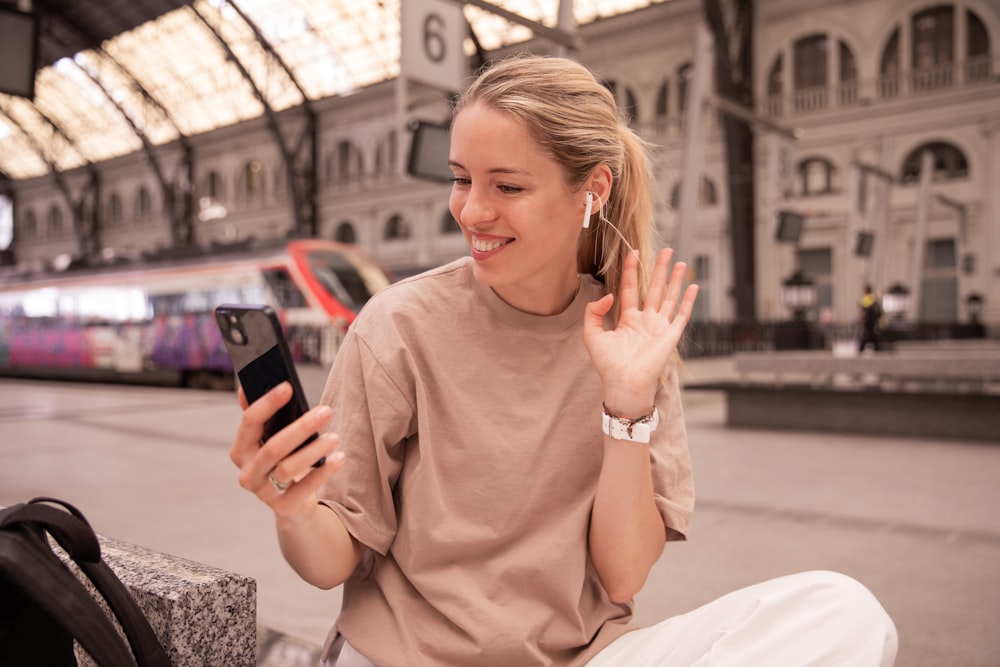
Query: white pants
x=814, y=618
x=819, y=619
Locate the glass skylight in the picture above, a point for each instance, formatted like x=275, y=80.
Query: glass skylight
x=173, y=76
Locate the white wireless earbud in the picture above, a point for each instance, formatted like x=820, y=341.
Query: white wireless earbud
x=586, y=211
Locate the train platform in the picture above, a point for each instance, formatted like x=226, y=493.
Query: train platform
x=914, y=519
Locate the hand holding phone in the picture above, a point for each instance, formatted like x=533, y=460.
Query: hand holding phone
x=261, y=360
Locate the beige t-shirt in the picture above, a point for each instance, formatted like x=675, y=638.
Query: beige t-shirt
x=473, y=440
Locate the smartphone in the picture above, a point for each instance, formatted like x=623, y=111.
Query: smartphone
x=261, y=360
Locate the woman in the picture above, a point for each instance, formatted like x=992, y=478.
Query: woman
x=510, y=455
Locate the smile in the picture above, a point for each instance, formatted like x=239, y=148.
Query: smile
x=482, y=245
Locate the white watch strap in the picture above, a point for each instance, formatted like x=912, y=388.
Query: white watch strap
x=633, y=430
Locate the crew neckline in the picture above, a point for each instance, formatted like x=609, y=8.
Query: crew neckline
x=590, y=290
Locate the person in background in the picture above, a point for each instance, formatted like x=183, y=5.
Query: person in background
x=870, y=318
x=505, y=441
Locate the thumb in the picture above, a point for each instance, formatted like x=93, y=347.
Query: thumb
x=593, y=319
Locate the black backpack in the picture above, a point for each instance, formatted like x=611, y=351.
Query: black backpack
x=44, y=607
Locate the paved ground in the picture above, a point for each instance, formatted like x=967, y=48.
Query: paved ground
x=915, y=520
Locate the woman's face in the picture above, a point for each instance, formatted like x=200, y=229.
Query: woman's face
x=520, y=219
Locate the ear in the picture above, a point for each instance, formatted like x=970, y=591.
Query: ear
x=599, y=182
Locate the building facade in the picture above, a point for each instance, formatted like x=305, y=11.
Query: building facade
x=878, y=132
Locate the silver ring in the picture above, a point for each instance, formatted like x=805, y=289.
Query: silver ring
x=280, y=486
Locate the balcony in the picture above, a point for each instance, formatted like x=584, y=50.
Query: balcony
x=974, y=71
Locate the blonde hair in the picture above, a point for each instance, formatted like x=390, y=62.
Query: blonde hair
x=576, y=120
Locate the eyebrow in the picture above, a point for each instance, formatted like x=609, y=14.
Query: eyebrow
x=495, y=170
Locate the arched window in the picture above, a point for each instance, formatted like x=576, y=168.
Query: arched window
x=949, y=162
x=817, y=176
x=114, y=209
x=29, y=224
x=626, y=99
x=978, y=62
x=933, y=52
x=213, y=186
x=707, y=194
x=663, y=106
x=848, y=91
x=252, y=181
x=385, y=155
x=449, y=225
x=684, y=74
x=344, y=165
x=810, y=72
x=889, y=71
x=397, y=228
x=345, y=233
x=776, y=87
x=54, y=224
x=143, y=204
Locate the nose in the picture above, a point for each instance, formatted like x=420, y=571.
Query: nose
x=472, y=207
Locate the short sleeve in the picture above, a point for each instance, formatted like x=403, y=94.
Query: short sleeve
x=374, y=418
x=673, y=480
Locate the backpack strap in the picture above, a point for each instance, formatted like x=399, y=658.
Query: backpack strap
x=75, y=535
x=42, y=577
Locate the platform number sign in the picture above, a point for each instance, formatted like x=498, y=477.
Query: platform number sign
x=431, y=33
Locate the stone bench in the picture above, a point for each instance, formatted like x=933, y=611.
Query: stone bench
x=958, y=370
x=946, y=394
x=202, y=615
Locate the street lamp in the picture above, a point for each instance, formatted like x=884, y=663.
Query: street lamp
x=974, y=306
x=798, y=294
x=896, y=301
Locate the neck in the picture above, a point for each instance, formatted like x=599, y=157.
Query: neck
x=551, y=302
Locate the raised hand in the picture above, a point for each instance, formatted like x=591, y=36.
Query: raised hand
x=631, y=357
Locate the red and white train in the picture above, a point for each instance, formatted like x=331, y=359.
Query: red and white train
x=152, y=322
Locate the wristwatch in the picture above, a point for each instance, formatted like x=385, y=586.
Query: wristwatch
x=633, y=430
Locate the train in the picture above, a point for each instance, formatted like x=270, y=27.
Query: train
x=152, y=321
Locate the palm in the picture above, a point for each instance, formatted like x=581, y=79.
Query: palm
x=631, y=357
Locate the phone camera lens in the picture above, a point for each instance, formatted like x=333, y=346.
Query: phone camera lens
x=237, y=336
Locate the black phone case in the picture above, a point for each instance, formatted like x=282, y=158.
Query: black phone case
x=261, y=360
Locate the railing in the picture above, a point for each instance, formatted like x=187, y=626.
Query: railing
x=932, y=78
x=978, y=68
x=810, y=99
x=712, y=339
x=975, y=70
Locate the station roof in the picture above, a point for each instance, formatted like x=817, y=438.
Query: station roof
x=115, y=74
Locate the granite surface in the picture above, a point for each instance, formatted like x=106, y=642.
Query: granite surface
x=203, y=616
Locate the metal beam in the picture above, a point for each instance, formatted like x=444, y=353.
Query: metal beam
x=750, y=117
x=556, y=35
x=875, y=170
x=180, y=226
x=307, y=199
x=302, y=227
x=86, y=236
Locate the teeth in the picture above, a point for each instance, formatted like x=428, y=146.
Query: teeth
x=486, y=246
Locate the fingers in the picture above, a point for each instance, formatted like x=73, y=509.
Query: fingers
x=629, y=288
x=251, y=428
x=290, y=471
x=677, y=277
x=654, y=295
x=302, y=493
x=687, y=305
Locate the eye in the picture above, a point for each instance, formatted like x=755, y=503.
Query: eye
x=510, y=189
x=460, y=180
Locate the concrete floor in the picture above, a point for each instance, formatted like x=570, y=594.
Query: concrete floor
x=916, y=520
